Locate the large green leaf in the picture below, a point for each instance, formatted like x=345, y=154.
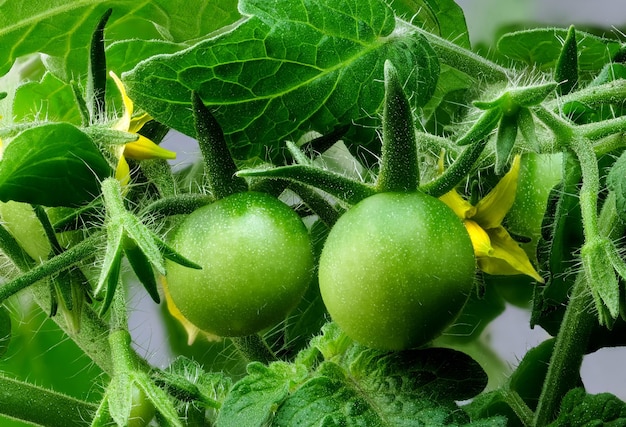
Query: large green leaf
x=442, y=17
x=541, y=47
x=63, y=28
x=291, y=66
x=54, y=164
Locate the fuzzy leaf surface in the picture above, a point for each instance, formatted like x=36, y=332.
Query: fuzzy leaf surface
x=63, y=29
x=289, y=67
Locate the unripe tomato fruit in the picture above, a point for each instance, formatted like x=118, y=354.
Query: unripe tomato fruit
x=256, y=259
x=396, y=270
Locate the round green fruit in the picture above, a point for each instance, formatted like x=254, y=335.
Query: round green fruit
x=396, y=270
x=256, y=260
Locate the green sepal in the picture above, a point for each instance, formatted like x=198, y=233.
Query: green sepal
x=399, y=166
x=526, y=126
x=514, y=98
x=119, y=396
x=220, y=166
x=566, y=70
x=140, y=264
x=481, y=129
x=346, y=189
x=97, y=71
x=505, y=141
x=144, y=239
x=3, y=95
x=169, y=253
x=110, y=272
x=616, y=181
x=602, y=279
x=43, y=159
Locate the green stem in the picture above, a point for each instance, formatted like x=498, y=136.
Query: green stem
x=517, y=404
x=590, y=186
x=40, y=212
x=81, y=251
x=37, y=405
x=91, y=337
x=254, y=349
x=569, y=349
x=464, y=60
x=337, y=185
x=598, y=130
x=176, y=205
x=608, y=93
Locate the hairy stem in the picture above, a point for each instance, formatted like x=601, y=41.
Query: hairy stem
x=254, y=349
x=569, y=349
x=37, y=405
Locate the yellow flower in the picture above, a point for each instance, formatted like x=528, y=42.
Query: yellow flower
x=496, y=251
x=143, y=148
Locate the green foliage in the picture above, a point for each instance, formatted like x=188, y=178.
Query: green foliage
x=348, y=98
x=357, y=386
x=58, y=29
x=284, y=70
x=581, y=409
x=43, y=159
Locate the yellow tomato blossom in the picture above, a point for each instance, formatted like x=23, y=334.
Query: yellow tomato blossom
x=496, y=251
x=143, y=148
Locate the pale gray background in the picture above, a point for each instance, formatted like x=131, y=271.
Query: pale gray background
x=509, y=335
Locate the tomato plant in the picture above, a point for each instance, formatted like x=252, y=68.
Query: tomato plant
x=396, y=270
x=256, y=263
x=369, y=192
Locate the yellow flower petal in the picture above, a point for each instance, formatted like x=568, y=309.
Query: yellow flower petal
x=123, y=123
x=491, y=209
x=507, y=257
x=480, y=239
x=144, y=149
x=136, y=123
x=122, y=172
x=461, y=207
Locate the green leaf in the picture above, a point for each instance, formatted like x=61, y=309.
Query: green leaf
x=541, y=47
x=291, y=66
x=442, y=17
x=49, y=98
x=581, y=409
x=252, y=400
x=63, y=30
x=369, y=387
x=54, y=164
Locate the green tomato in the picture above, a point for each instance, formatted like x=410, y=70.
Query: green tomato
x=256, y=259
x=396, y=270
x=142, y=410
